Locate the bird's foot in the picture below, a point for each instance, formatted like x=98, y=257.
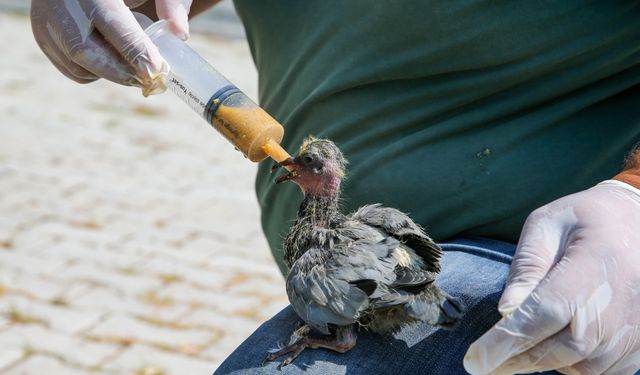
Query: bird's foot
x=342, y=341
x=296, y=345
x=295, y=349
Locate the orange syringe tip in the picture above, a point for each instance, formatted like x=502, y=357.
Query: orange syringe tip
x=252, y=131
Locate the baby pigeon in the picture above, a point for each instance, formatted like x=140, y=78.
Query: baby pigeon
x=374, y=268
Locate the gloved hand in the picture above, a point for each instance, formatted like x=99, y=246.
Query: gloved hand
x=91, y=39
x=572, y=300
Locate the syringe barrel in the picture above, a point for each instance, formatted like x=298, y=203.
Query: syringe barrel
x=247, y=126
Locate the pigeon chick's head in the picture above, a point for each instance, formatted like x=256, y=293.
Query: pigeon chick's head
x=317, y=169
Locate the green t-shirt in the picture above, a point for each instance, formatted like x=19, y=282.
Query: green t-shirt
x=466, y=114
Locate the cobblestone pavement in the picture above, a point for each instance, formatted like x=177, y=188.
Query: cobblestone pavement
x=129, y=230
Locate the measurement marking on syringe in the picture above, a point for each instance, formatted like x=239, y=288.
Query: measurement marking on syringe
x=196, y=99
x=178, y=85
x=184, y=91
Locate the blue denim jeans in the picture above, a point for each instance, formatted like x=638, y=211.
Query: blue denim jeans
x=473, y=269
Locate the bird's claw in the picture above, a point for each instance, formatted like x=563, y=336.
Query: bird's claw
x=270, y=357
x=287, y=361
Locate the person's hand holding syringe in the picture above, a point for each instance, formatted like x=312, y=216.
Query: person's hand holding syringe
x=92, y=39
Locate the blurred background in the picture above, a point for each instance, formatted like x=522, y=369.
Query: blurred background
x=129, y=230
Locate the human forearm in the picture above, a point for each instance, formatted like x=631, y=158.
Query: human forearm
x=197, y=7
x=631, y=171
x=200, y=6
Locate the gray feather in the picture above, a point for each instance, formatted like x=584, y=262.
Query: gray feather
x=400, y=226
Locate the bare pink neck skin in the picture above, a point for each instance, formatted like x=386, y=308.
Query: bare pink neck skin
x=326, y=186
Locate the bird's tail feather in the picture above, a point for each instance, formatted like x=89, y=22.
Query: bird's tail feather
x=438, y=310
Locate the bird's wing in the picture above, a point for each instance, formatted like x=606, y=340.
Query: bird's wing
x=412, y=279
x=400, y=226
x=334, y=286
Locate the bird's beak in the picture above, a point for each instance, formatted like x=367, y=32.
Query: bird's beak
x=291, y=164
x=285, y=163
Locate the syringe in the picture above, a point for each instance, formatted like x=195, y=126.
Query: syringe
x=241, y=121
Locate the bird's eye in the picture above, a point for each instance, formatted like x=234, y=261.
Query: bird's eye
x=307, y=159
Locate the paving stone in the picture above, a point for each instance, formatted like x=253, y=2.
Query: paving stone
x=244, y=264
x=216, y=300
x=31, y=285
x=140, y=357
x=113, y=301
x=196, y=250
x=132, y=283
x=9, y=356
x=76, y=290
x=40, y=364
x=71, y=250
x=248, y=284
x=230, y=340
x=59, y=228
x=59, y=318
x=73, y=350
x=174, y=264
x=124, y=328
x=19, y=260
x=210, y=318
x=4, y=322
x=244, y=252
x=268, y=310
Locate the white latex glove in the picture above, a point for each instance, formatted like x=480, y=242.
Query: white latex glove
x=572, y=301
x=91, y=39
